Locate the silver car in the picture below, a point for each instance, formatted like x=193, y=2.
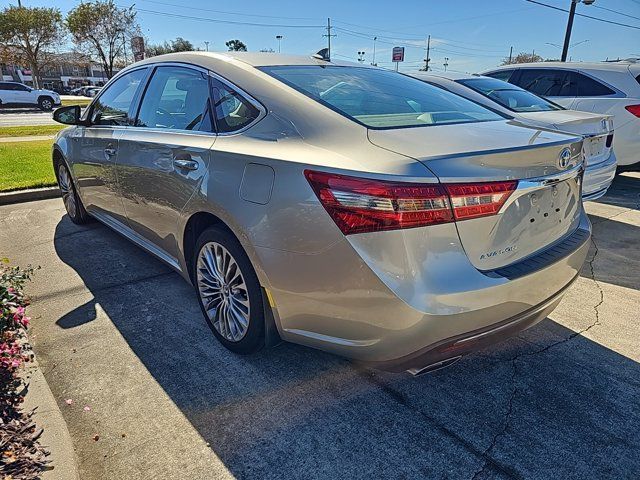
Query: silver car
x=342, y=207
x=597, y=129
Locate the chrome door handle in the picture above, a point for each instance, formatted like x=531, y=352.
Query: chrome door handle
x=185, y=164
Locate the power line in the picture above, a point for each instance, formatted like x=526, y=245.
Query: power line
x=231, y=22
x=583, y=15
x=227, y=12
x=616, y=12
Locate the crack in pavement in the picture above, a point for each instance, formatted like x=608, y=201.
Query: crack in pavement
x=514, y=362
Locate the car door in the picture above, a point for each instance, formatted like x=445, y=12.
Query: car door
x=557, y=85
x=163, y=158
x=94, y=147
x=22, y=95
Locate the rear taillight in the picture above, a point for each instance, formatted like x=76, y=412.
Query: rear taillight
x=633, y=109
x=472, y=200
x=360, y=205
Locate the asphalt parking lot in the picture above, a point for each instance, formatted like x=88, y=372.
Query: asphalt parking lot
x=119, y=332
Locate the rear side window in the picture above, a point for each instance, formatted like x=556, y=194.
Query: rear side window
x=503, y=75
x=547, y=82
x=379, y=98
x=510, y=96
x=589, y=87
x=176, y=98
x=112, y=106
x=233, y=112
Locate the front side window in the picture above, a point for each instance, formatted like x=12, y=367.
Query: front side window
x=112, y=106
x=379, y=98
x=546, y=82
x=509, y=96
x=233, y=111
x=176, y=98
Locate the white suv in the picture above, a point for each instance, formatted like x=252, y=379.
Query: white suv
x=13, y=94
x=611, y=88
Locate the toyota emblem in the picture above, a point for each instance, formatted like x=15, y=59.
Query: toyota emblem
x=564, y=158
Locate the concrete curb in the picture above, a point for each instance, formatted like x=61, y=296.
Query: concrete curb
x=55, y=436
x=19, y=196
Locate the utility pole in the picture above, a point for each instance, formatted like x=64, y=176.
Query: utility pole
x=279, y=38
x=373, y=62
x=446, y=63
x=206, y=44
x=533, y=55
x=329, y=35
x=427, y=59
x=567, y=35
x=510, y=55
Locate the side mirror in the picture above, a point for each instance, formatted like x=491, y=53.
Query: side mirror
x=68, y=115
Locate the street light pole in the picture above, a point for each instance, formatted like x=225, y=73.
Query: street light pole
x=279, y=38
x=567, y=35
x=206, y=44
x=373, y=62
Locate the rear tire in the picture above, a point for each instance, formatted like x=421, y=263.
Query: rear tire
x=72, y=203
x=228, y=291
x=45, y=104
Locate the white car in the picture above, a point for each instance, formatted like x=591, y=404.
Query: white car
x=13, y=94
x=611, y=88
x=538, y=112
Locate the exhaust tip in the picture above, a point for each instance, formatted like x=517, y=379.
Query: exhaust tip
x=434, y=366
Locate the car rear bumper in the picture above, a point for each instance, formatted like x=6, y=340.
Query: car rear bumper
x=390, y=298
x=598, y=178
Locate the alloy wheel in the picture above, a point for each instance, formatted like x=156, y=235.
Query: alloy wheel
x=223, y=291
x=66, y=188
x=47, y=105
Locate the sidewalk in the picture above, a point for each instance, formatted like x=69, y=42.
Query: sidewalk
x=28, y=138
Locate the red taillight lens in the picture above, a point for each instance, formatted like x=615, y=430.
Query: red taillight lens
x=472, y=200
x=360, y=205
x=633, y=109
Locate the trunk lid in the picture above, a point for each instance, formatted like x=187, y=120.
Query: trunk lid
x=593, y=127
x=544, y=208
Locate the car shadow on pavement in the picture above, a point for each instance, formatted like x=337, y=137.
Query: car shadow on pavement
x=548, y=404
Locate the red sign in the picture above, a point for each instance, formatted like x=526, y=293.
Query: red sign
x=398, y=54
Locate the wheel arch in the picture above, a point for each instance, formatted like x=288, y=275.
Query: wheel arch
x=197, y=223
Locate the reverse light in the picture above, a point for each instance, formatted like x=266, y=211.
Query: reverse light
x=360, y=205
x=633, y=109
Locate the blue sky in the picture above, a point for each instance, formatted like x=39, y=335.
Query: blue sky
x=473, y=34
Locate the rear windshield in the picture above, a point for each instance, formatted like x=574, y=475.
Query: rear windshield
x=381, y=99
x=509, y=96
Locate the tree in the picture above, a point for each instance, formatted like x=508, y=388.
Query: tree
x=177, y=45
x=102, y=29
x=29, y=36
x=522, y=57
x=236, y=46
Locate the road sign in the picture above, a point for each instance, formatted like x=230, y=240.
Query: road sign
x=398, y=54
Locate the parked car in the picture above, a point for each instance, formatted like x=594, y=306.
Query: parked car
x=334, y=205
x=13, y=94
x=610, y=88
x=527, y=107
x=92, y=92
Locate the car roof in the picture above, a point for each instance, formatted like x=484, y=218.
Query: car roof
x=254, y=59
x=605, y=66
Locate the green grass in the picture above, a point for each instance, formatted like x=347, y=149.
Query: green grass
x=82, y=102
x=25, y=165
x=30, y=130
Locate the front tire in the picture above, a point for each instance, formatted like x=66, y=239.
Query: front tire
x=72, y=203
x=45, y=104
x=228, y=291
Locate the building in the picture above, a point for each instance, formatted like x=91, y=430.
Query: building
x=70, y=70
